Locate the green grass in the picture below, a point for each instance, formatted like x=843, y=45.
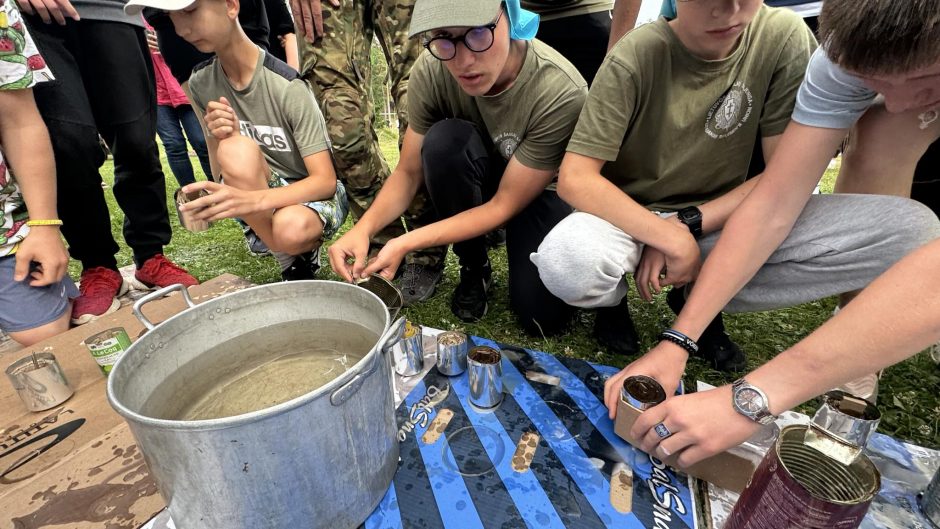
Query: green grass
x=910, y=392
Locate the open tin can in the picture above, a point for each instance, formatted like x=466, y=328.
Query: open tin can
x=798, y=487
x=187, y=220
x=930, y=501
x=452, y=353
x=485, y=372
x=642, y=392
x=39, y=381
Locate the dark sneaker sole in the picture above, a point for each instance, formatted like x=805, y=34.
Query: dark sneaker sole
x=472, y=319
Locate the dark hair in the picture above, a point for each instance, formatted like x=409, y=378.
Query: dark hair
x=881, y=36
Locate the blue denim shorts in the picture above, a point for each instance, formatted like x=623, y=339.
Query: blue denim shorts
x=23, y=307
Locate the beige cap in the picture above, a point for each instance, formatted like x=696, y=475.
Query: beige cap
x=434, y=14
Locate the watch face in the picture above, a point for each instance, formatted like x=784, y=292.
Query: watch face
x=749, y=400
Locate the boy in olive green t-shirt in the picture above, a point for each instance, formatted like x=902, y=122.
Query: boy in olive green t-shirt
x=490, y=112
x=658, y=163
x=268, y=135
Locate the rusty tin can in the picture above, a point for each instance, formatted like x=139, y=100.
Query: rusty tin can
x=107, y=346
x=799, y=487
x=642, y=392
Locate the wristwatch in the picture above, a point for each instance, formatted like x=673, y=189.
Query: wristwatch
x=751, y=402
x=692, y=217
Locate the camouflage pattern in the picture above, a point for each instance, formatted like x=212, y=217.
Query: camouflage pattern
x=338, y=69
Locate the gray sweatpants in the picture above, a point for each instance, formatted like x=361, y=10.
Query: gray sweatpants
x=840, y=243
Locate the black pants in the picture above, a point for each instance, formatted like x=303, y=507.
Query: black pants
x=926, y=186
x=104, y=85
x=461, y=173
x=581, y=39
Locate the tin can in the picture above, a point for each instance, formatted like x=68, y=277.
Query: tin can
x=451, y=353
x=642, y=392
x=798, y=487
x=409, y=353
x=107, y=346
x=930, y=501
x=486, y=377
x=849, y=420
x=39, y=381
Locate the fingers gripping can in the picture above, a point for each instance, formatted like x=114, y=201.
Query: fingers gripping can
x=107, y=346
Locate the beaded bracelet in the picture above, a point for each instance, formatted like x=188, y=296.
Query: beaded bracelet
x=683, y=341
x=44, y=222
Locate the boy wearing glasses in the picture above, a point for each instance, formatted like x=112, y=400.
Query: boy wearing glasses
x=272, y=146
x=490, y=114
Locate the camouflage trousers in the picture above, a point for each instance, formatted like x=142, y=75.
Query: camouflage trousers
x=338, y=69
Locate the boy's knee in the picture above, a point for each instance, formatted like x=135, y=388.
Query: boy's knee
x=920, y=225
x=579, y=267
x=240, y=160
x=296, y=232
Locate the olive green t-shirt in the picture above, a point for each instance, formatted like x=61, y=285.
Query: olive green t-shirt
x=552, y=9
x=677, y=130
x=276, y=109
x=531, y=120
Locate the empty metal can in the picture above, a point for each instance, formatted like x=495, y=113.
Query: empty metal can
x=451, y=353
x=850, y=420
x=486, y=377
x=798, y=487
x=39, y=381
x=187, y=220
x=930, y=501
x=107, y=346
x=409, y=353
x=642, y=392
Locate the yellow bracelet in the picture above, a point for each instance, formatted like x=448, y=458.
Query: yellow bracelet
x=44, y=222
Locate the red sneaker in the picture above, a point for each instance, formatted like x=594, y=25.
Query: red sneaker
x=98, y=292
x=158, y=271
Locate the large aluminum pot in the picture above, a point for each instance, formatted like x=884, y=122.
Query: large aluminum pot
x=321, y=460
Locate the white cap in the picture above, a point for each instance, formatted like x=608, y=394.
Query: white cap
x=134, y=7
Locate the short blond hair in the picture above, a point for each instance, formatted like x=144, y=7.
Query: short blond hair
x=881, y=36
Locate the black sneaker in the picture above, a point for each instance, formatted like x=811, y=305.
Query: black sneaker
x=614, y=330
x=469, y=301
x=496, y=238
x=418, y=282
x=256, y=246
x=714, y=346
x=304, y=267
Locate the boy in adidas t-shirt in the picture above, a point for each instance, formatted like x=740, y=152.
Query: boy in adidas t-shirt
x=269, y=137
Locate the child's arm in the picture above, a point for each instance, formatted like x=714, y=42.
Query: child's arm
x=393, y=199
x=26, y=145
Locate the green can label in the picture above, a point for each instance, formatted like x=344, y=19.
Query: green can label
x=107, y=346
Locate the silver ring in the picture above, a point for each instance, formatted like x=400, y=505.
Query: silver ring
x=662, y=431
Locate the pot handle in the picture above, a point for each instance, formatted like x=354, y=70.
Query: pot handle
x=157, y=295
x=388, y=340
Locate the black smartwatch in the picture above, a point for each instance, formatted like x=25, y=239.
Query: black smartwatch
x=692, y=217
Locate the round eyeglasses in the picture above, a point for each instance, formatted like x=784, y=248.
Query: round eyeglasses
x=478, y=39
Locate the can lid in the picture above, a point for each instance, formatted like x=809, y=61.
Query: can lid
x=642, y=392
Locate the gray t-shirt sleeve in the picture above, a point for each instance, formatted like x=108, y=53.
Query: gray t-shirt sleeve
x=830, y=97
x=307, y=121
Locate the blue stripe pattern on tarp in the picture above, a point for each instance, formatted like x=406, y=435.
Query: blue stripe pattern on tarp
x=387, y=514
x=450, y=491
x=588, y=478
x=525, y=489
